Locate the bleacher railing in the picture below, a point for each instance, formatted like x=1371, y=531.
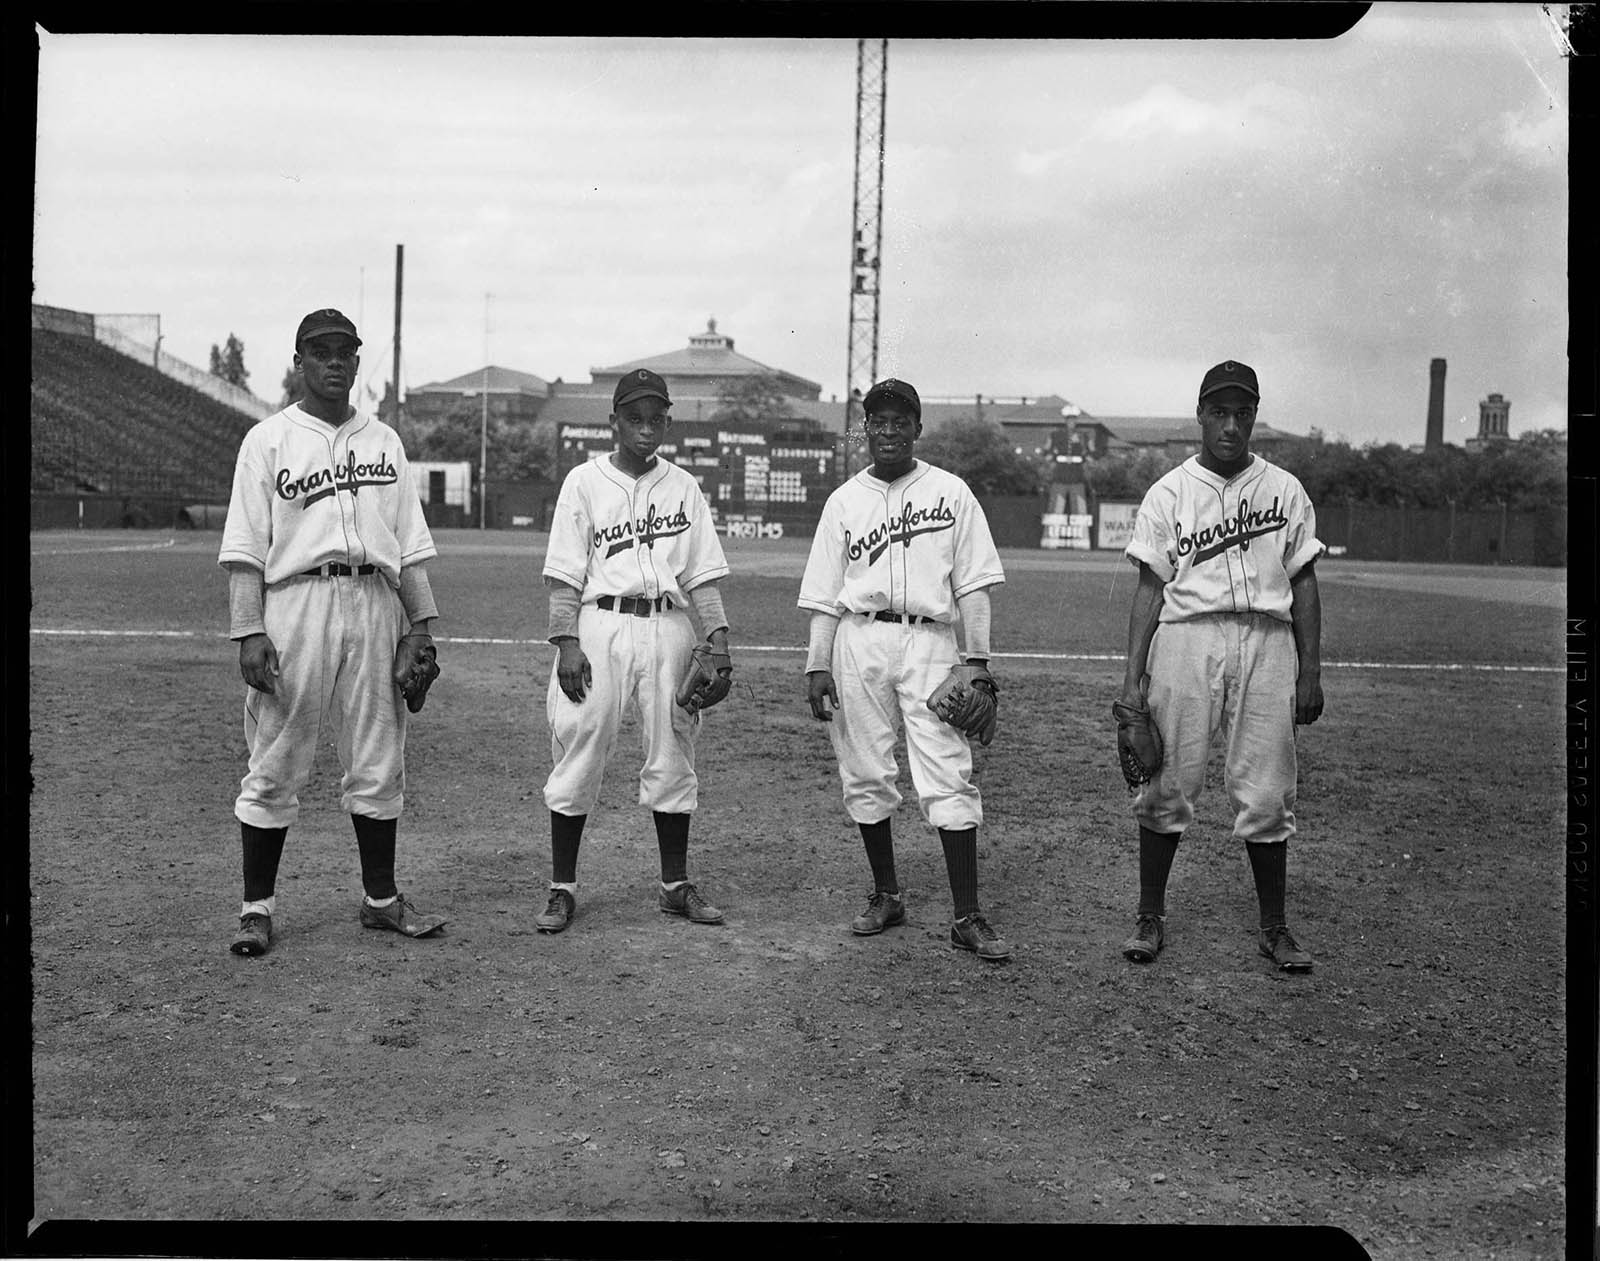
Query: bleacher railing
x=234, y=396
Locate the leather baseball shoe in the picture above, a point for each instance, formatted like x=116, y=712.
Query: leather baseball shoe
x=1148, y=935
x=254, y=935
x=685, y=900
x=972, y=932
x=1280, y=946
x=884, y=910
x=558, y=913
x=401, y=917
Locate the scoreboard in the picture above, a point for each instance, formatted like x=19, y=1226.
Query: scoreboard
x=758, y=476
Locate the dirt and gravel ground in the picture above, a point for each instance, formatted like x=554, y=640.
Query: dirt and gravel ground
x=1409, y=1092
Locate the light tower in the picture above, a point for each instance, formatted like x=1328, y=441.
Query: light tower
x=866, y=239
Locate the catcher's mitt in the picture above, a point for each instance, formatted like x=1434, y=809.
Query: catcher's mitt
x=416, y=666
x=709, y=680
x=1138, y=744
x=969, y=699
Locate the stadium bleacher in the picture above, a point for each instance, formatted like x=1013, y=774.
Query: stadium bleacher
x=102, y=421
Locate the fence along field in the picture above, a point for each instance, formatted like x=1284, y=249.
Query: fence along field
x=1408, y=1092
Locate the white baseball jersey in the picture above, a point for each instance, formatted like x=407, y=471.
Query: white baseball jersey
x=648, y=536
x=306, y=493
x=914, y=545
x=1226, y=545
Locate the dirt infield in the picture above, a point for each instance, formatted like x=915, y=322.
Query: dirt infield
x=1409, y=1092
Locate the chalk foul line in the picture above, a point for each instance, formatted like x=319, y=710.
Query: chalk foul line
x=1463, y=667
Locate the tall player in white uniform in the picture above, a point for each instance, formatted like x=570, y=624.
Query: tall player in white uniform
x=632, y=545
x=902, y=550
x=1225, y=634
x=325, y=545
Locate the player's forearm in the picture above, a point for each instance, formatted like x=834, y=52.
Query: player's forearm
x=1305, y=613
x=564, y=601
x=819, y=649
x=707, y=601
x=416, y=597
x=246, y=598
x=1143, y=618
x=975, y=611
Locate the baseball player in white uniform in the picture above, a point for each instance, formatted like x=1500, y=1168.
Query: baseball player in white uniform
x=1224, y=635
x=901, y=553
x=632, y=545
x=325, y=545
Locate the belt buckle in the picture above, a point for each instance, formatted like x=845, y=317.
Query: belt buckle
x=641, y=606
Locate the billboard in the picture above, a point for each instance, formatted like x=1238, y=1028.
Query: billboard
x=1115, y=527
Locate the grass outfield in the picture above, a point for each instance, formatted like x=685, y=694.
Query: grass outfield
x=1409, y=1092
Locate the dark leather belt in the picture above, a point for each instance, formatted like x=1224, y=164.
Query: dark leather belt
x=637, y=607
x=911, y=619
x=333, y=569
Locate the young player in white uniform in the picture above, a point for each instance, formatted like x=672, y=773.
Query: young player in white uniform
x=901, y=551
x=631, y=546
x=1224, y=635
x=325, y=545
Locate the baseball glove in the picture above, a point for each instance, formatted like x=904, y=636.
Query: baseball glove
x=969, y=699
x=709, y=679
x=416, y=666
x=1138, y=744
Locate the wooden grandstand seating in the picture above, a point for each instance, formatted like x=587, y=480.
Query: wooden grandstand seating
x=103, y=421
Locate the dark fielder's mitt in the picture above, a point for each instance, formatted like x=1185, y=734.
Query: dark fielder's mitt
x=1138, y=744
x=416, y=666
x=709, y=679
x=969, y=700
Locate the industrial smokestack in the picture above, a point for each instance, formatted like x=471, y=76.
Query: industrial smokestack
x=1435, y=437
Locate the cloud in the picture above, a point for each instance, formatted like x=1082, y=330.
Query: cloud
x=1261, y=117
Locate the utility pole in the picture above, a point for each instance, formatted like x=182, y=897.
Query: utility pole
x=483, y=431
x=399, y=276
x=866, y=240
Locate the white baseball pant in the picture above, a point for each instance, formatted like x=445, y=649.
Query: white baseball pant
x=638, y=660
x=335, y=639
x=1235, y=674
x=883, y=672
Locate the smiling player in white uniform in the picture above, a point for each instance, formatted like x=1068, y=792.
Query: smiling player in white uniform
x=901, y=551
x=325, y=545
x=1224, y=634
x=632, y=544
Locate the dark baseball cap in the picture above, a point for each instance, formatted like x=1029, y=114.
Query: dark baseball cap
x=640, y=383
x=1230, y=373
x=891, y=388
x=324, y=321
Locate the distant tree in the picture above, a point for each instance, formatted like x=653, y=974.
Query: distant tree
x=1127, y=477
x=228, y=362
x=752, y=399
x=518, y=451
x=294, y=385
x=982, y=455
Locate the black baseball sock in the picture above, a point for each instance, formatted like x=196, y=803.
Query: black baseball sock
x=1270, y=864
x=672, y=835
x=1156, y=852
x=961, y=860
x=263, y=848
x=566, y=831
x=880, y=855
x=375, y=839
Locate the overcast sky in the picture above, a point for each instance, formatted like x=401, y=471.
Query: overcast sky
x=1100, y=220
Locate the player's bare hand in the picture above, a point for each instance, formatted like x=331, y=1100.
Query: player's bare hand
x=822, y=694
x=573, y=673
x=258, y=662
x=1307, y=699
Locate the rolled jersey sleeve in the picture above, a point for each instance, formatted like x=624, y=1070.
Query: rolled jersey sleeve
x=1151, y=543
x=823, y=581
x=1301, y=545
